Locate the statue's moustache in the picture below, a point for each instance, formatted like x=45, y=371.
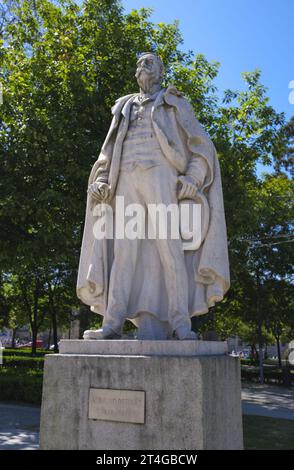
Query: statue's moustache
x=142, y=71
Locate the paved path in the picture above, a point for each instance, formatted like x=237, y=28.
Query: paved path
x=19, y=424
x=19, y=427
x=268, y=400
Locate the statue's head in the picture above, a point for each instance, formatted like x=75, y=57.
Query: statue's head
x=149, y=71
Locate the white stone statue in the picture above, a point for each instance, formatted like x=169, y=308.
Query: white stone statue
x=155, y=152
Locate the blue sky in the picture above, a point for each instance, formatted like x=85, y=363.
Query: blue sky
x=241, y=35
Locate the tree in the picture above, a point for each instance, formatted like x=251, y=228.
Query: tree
x=63, y=65
x=266, y=275
x=280, y=311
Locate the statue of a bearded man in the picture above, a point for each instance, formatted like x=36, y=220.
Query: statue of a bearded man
x=155, y=152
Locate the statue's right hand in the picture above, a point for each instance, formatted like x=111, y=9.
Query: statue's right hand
x=98, y=191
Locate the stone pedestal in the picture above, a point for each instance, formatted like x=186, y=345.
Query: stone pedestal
x=143, y=395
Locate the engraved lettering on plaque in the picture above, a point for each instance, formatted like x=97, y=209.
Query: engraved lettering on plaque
x=126, y=406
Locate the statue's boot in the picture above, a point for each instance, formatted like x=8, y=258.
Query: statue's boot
x=184, y=333
x=103, y=333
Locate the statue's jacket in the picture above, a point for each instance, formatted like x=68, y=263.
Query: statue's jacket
x=189, y=149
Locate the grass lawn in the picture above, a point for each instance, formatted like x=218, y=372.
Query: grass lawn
x=268, y=433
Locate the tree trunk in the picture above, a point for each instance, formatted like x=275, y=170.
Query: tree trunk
x=84, y=317
x=13, y=337
x=260, y=353
x=279, y=351
x=49, y=338
x=34, y=323
x=259, y=328
x=54, y=328
x=34, y=339
x=53, y=314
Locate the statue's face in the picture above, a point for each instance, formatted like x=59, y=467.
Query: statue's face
x=148, y=72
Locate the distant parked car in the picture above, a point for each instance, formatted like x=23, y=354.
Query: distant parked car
x=234, y=354
x=39, y=344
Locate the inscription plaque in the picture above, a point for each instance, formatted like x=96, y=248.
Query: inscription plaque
x=127, y=406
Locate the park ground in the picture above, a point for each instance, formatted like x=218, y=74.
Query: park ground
x=268, y=420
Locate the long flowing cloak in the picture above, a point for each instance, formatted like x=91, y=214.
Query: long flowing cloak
x=182, y=139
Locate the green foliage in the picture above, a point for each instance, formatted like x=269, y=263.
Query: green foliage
x=25, y=352
x=62, y=66
x=23, y=362
x=272, y=375
x=21, y=376
x=21, y=385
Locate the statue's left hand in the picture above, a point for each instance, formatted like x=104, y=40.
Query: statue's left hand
x=187, y=188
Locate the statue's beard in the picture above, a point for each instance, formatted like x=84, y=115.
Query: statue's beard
x=146, y=80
